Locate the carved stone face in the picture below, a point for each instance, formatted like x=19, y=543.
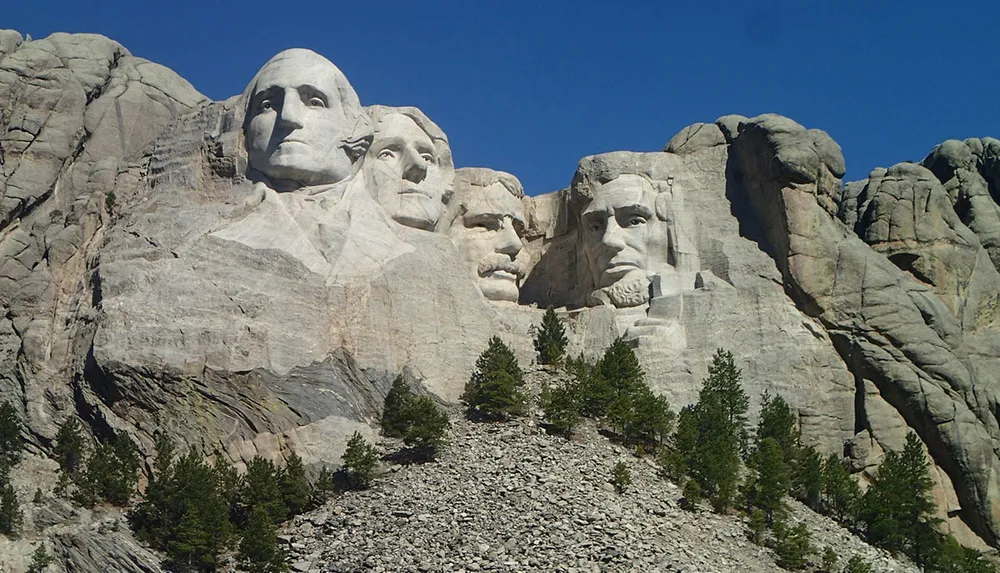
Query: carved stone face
x=406, y=172
x=297, y=120
x=616, y=227
x=489, y=236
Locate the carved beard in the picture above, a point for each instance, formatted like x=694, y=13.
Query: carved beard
x=631, y=290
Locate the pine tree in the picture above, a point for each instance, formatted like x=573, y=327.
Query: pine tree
x=778, y=423
x=494, y=392
x=716, y=459
x=678, y=456
x=259, y=551
x=259, y=487
x=857, y=565
x=899, y=499
x=621, y=477
x=652, y=417
x=186, y=511
x=725, y=381
x=69, y=450
x=425, y=428
x=395, y=408
x=294, y=485
x=40, y=559
x=10, y=509
x=323, y=487
x=807, y=477
x=112, y=473
x=10, y=437
x=841, y=494
x=191, y=545
x=550, y=339
x=791, y=545
x=561, y=407
x=619, y=369
x=360, y=460
x=770, y=481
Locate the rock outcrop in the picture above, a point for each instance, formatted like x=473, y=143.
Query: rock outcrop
x=249, y=275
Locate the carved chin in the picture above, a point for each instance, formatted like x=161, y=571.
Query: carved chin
x=499, y=289
x=632, y=290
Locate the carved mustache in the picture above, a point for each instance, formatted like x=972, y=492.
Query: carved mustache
x=501, y=262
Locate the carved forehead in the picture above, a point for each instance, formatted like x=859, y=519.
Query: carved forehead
x=398, y=125
x=623, y=192
x=300, y=66
x=494, y=199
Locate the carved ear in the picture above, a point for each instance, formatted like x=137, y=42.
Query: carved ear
x=356, y=148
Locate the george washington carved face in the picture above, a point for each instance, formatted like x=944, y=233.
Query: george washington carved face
x=303, y=121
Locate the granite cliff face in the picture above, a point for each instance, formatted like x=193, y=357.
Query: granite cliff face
x=222, y=272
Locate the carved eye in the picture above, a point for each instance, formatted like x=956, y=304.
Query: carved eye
x=635, y=221
x=316, y=101
x=386, y=154
x=427, y=157
x=265, y=104
x=595, y=227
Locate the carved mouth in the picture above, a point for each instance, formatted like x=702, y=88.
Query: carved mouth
x=501, y=274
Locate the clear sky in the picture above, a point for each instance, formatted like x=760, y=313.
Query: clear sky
x=531, y=87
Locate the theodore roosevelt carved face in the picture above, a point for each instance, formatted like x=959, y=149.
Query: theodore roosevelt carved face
x=488, y=230
x=304, y=124
x=409, y=164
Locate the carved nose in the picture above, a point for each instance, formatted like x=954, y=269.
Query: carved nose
x=507, y=241
x=613, y=237
x=414, y=166
x=292, y=110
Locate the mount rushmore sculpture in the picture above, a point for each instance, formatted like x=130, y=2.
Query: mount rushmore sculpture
x=249, y=275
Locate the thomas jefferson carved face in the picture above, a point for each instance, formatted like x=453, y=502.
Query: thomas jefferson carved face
x=406, y=167
x=300, y=116
x=488, y=234
x=616, y=228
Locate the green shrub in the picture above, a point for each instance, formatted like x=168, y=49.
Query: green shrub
x=494, y=391
x=561, y=407
x=360, y=460
x=425, y=428
x=40, y=559
x=691, y=495
x=395, y=409
x=829, y=563
x=621, y=477
x=857, y=565
x=791, y=545
x=550, y=339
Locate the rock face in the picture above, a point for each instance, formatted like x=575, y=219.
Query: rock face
x=249, y=275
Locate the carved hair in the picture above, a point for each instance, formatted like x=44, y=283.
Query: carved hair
x=484, y=177
x=594, y=171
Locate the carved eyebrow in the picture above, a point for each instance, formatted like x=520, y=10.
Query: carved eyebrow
x=635, y=208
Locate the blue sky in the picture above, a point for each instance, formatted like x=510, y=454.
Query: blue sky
x=531, y=87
